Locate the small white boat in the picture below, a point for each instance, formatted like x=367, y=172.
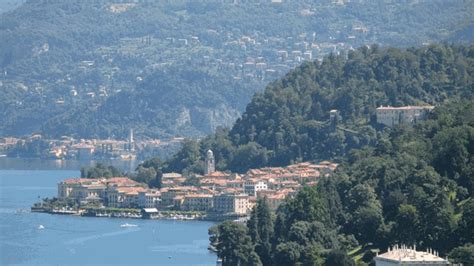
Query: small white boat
x=128, y=225
x=40, y=227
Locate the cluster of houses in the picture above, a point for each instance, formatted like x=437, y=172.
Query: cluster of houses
x=215, y=192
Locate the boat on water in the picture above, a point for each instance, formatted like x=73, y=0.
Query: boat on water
x=40, y=227
x=128, y=225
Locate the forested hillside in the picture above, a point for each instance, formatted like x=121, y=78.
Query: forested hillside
x=70, y=67
x=289, y=121
x=414, y=186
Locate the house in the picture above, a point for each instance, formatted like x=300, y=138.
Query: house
x=391, y=116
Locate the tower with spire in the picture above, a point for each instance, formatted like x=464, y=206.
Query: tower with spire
x=210, y=163
x=131, y=141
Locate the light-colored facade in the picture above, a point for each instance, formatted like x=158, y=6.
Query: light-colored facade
x=409, y=257
x=149, y=199
x=391, y=116
x=197, y=202
x=231, y=203
x=123, y=197
x=81, y=189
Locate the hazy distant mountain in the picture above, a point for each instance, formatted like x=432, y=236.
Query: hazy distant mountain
x=98, y=68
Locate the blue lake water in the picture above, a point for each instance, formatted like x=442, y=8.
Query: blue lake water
x=83, y=240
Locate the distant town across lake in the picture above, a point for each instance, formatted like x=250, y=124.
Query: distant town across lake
x=7, y=163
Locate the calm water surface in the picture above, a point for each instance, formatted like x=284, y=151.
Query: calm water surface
x=83, y=240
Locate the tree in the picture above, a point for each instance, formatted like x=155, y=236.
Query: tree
x=307, y=205
x=213, y=233
x=100, y=170
x=466, y=224
x=287, y=254
x=188, y=159
x=463, y=254
x=234, y=246
x=250, y=155
x=407, y=225
x=338, y=258
x=367, y=221
x=260, y=227
x=150, y=172
x=145, y=175
x=367, y=215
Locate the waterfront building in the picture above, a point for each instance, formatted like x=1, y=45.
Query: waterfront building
x=409, y=257
x=210, y=163
x=168, y=195
x=149, y=199
x=81, y=189
x=123, y=197
x=113, y=192
x=391, y=116
x=197, y=202
x=231, y=203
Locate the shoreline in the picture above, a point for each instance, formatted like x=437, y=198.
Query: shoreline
x=139, y=214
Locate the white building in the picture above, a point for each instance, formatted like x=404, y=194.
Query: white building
x=251, y=187
x=391, y=116
x=409, y=257
x=232, y=203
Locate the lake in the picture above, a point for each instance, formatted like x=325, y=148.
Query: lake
x=75, y=240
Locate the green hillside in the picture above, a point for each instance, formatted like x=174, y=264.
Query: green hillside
x=71, y=67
